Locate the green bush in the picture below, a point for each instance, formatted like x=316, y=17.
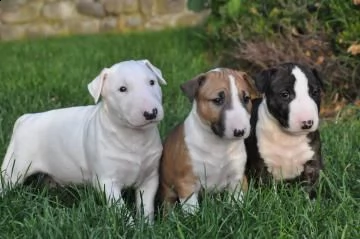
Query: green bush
x=254, y=34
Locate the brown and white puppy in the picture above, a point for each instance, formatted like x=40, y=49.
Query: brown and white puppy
x=207, y=150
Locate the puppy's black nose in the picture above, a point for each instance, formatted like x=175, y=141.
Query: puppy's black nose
x=239, y=132
x=307, y=124
x=152, y=115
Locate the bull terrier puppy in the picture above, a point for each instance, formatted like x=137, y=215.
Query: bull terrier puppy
x=112, y=145
x=284, y=143
x=207, y=150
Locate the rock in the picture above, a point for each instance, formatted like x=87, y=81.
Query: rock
x=59, y=10
x=12, y=32
x=24, y=13
x=120, y=6
x=170, y=6
x=108, y=24
x=83, y=26
x=88, y=8
x=146, y=7
x=130, y=22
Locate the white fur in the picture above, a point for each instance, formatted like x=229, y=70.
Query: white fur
x=237, y=117
x=284, y=154
x=110, y=144
x=302, y=107
x=218, y=163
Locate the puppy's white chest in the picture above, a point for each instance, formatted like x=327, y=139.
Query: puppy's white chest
x=215, y=170
x=130, y=161
x=284, y=155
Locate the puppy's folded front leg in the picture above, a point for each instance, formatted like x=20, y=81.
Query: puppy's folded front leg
x=310, y=177
x=238, y=189
x=145, y=197
x=113, y=195
x=188, y=196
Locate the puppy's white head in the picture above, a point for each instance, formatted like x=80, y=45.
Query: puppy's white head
x=292, y=96
x=222, y=101
x=131, y=93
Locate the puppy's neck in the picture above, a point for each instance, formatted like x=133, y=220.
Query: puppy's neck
x=199, y=134
x=268, y=127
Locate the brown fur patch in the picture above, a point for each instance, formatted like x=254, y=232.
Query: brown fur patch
x=176, y=175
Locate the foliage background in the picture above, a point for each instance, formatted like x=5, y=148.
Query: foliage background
x=256, y=34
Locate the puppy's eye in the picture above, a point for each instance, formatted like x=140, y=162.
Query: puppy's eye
x=285, y=94
x=246, y=99
x=315, y=92
x=218, y=101
x=122, y=89
x=152, y=82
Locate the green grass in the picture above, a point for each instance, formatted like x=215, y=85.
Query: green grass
x=46, y=74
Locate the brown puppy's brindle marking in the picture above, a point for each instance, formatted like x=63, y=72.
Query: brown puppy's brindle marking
x=219, y=157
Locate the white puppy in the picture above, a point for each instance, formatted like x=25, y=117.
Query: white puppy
x=113, y=144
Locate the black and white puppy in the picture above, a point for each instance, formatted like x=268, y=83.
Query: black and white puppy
x=285, y=142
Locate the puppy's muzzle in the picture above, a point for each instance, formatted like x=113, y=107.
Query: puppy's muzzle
x=151, y=115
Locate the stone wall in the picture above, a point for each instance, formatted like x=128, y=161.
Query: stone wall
x=41, y=18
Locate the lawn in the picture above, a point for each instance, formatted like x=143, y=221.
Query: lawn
x=45, y=74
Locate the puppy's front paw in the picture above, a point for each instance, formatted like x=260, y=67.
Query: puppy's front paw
x=236, y=198
x=190, y=209
x=130, y=221
x=190, y=205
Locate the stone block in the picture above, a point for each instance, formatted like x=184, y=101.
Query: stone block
x=116, y=7
x=59, y=10
x=89, y=8
x=108, y=24
x=83, y=26
x=130, y=6
x=8, y=5
x=130, y=22
x=146, y=7
x=160, y=22
x=24, y=13
x=190, y=19
x=12, y=32
x=170, y=6
x=44, y=30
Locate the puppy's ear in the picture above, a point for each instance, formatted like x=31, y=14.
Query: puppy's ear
x=191, y=87
x=155, y=70
x=95, y=87
x=254, y=93
x=262, y=79
x=318, y=77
